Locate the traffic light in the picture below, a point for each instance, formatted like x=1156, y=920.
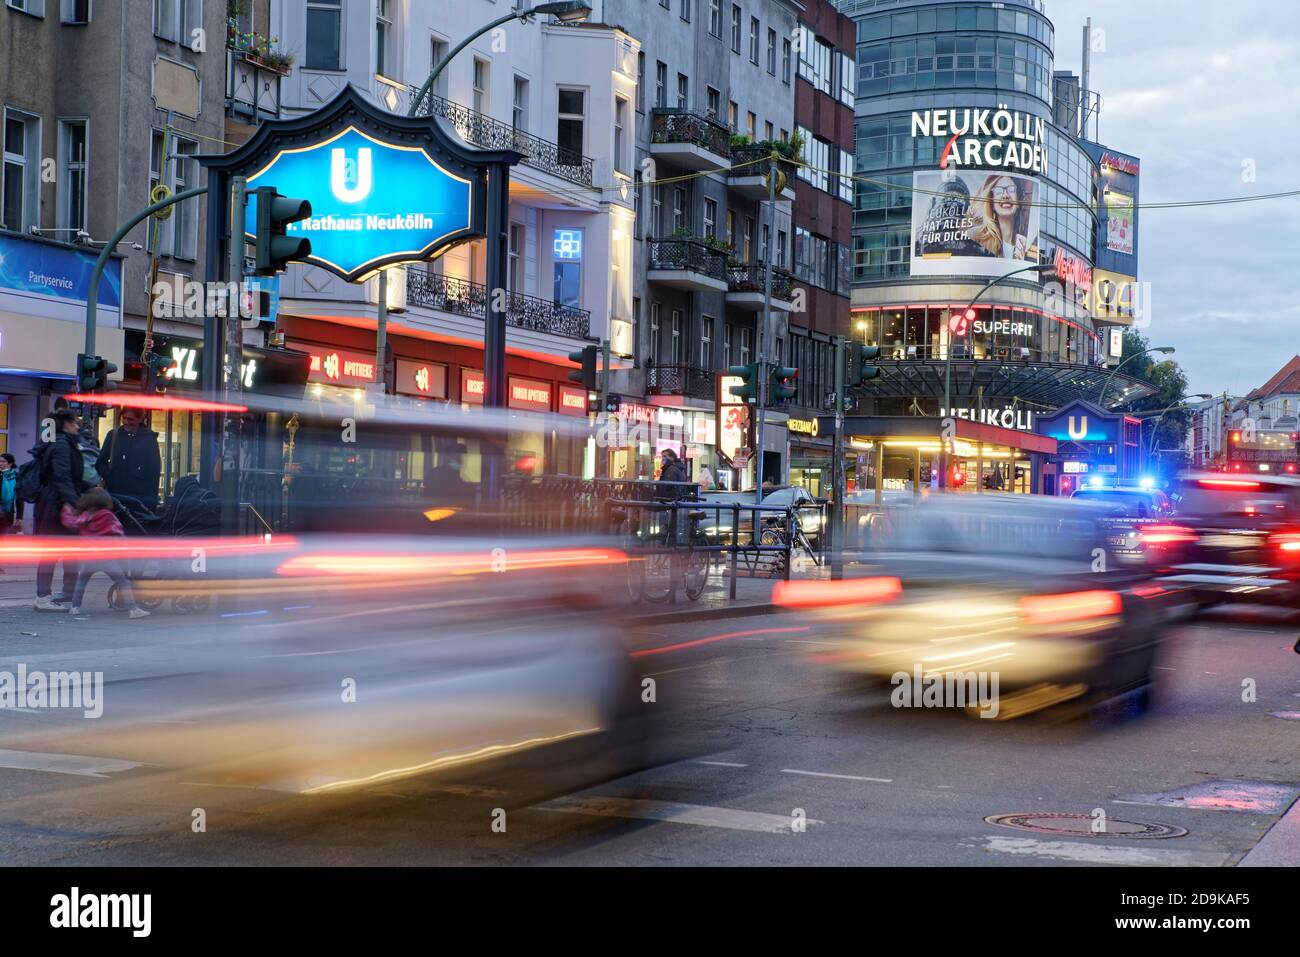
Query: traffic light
x=93, y=373
x=613, y=403
x=586, y=375
x=859, y=369
x=748, y=375
x=784, y=386
x=157, y=372
x=275, y=249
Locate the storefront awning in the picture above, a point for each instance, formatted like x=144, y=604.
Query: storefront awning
x=1052, y=384
x=929, y=430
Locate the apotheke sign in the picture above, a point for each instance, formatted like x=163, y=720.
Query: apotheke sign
x=983, y=138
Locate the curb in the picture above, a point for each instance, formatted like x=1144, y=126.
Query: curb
x=707, y=614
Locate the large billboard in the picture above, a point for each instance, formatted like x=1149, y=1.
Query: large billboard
x=1119, y=222
x=968, y=223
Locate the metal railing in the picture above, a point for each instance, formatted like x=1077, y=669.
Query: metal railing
x=466, y=298
x=751, y=278
x=673, y=125
x=678, y=379
x=482, y=130
x=690, y=255
x=750, y=159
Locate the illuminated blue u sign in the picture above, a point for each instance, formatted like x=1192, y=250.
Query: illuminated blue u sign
x=373, y=203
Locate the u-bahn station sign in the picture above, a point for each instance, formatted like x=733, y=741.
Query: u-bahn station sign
x=986, y=139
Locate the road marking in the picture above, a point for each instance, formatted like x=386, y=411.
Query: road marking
x=712, y=638
x=843, y=777
x=675, y=813
x=79, y=764
x=722, y=764
x=1092, y=852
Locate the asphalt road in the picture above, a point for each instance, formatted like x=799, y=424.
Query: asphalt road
x=784, y=763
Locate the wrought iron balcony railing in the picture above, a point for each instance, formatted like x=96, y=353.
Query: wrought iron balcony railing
x=684, y=380
x=484, y=131
x=671, y=125
x=466, y=298
x=750, y=159
x=688, y=254
x=751, y=278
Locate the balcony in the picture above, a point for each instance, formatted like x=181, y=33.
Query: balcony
x=483, y=131
x=689, y=139
x=687, y=264
x=252, y=87
x=745, y=288
x=683, y=380
x=749, y=164
x=465, y=298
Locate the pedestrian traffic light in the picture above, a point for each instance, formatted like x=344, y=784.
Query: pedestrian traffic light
x=93, y=373
x=859, y=368
x=586, y=374
x=748, y=375
x=275, y=249
x=784, y=386
x=613, y=403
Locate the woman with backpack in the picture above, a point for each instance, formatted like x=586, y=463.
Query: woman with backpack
x=61, y=471
x=11, y=512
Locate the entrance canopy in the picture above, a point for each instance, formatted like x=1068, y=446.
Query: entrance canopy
x=1049, y=384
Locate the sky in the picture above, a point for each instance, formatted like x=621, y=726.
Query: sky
x=1207, y=94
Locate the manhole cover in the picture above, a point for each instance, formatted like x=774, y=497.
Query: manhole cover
x=1081, y=825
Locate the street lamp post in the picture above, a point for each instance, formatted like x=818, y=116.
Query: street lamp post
x=1101, y=399
x=968, y=314
x=1151, y=443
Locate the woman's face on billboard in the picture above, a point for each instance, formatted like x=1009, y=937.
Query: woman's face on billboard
x=1004, y=196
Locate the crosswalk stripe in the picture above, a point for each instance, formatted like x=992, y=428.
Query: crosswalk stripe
x=675, y=813
x=79, y=764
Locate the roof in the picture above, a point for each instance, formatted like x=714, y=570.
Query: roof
x=1049, y=384
x=1286, y=379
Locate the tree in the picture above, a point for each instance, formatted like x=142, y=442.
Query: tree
x=1171, y=393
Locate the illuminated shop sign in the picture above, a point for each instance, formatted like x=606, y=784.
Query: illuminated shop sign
x=1004, y=327
x=984, y=138
x=802, y=426
x=573, y=400
x=568, y=244
x=337, y=366
x=1071, y=270
x=1113, y=295
x=471, y=386
x=425, y=379
x=530, y=394
x=1010, y=417
x=1121, y=164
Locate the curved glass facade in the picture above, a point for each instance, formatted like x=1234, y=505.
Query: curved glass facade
x=999, y=332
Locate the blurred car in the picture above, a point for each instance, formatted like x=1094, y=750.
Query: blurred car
x=1246, y=544
x=1002, y=584
x=1136, y=501
x=717, y=523
x=1139, y=527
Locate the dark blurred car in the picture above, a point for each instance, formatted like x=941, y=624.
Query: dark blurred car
x=1005, y=584
x=1136, y=501
x=1247, y=538
x=1139, y=527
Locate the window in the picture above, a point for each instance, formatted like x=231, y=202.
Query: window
x=753, y=40
x=762, y=248
x=848, y=86
x=730, y=234
x=78, y=11
x=706, y=343
x=515, y=275
x=679, y=210
x=733, y=116
x=657, y=211
x=179, y=234
x=383, y=39
x=571, y=126
x=746, y=344
x=661, y=83
x=711, y=219
x=767, y=131
x=35, y=7
x=481, y=102
x=568, y=271
x=173, y=19
x=437, y=53
x=780, y=252
x=324, y=34
x=686, y=10
x=72, y=176
x=620, y=134
x=715, y=103
x=771, y=51
x=785, y=61
x=735, y=28
x=748, y=240
x=654, y=330
x=727, y=358
x=678, y=331
x=22, y=159
x=846, y=176
x=519, y=112
x=715, y=18
x=751, y=127
x=683, y=91
x=640, y=82
x=664, y=4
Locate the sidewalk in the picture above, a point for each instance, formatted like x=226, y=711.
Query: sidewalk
x=753, y=597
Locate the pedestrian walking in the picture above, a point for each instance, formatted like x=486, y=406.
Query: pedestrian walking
x=11, y=506
x=92, y=515
x=129, y=460
x=61, y=470
x=673, y=470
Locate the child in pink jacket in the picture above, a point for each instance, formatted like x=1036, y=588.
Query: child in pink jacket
x=93, y=516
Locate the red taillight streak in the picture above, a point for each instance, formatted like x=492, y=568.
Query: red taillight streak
x=1228, y=483
x=1166, y=534
x=408, y=564
x=156, y=403
x=1286, y=541
x=1071, y=606
x=851, y=591
x=712, y=638
x=55, y=548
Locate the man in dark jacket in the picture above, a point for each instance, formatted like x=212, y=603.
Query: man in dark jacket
x=61, y=484
x=129, y=460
